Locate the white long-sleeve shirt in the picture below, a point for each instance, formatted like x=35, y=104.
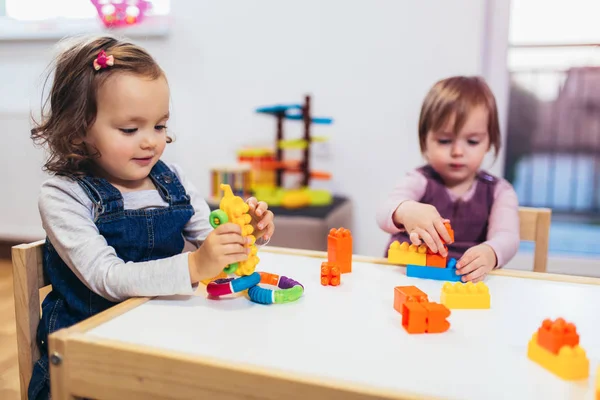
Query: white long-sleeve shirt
x=67, y=217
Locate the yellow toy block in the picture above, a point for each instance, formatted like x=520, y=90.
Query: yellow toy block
x=571, y=363
x=233, y=209
x=465, y=295
x=598, y=384
x=406, y=254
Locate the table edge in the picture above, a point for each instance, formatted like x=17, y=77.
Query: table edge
x=85, y=352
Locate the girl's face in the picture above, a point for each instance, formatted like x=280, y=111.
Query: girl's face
x=130, y=128
x=457, y=156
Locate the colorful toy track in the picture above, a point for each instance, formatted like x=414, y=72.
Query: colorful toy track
x=223, y=287
x=289, y=290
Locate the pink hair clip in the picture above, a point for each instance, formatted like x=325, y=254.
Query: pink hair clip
x=103, y=61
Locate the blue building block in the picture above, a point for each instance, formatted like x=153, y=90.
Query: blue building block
x=278, y=108
x=451, y=263
x=314, y=120
x=439, y=274
x=292, y=112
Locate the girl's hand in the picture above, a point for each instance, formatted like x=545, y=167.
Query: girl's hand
x=423, y=222
x=262, y=219
x=223, y=246
x=476, y=263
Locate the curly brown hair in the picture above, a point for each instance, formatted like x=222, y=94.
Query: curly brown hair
x=70, y=108
x=458, y=95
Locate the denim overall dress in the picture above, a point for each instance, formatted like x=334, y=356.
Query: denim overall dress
x=136, y=235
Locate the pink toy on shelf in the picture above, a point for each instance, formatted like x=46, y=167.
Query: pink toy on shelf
x=118, y=13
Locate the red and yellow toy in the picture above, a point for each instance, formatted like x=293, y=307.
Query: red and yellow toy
x=555, y=346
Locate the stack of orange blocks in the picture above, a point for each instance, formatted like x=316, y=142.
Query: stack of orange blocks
x=339, y=249
x=330, y=274
x=419, y=315
x=339, y=256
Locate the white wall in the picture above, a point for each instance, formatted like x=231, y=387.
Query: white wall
x=368, y=64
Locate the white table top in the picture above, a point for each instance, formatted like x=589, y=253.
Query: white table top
x=352, y=333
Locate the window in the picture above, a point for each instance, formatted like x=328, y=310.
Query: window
x=46, y=19
x=553, y=135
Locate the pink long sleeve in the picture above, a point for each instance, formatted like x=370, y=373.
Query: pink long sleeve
x=503, y=221
x=412, y=187
x=503, y=224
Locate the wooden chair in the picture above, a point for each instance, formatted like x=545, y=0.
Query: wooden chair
x=28, y=278
x=535, y=227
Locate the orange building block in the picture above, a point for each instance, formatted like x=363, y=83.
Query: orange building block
x=414, y=318
x=403, y=294
x=553, y=335
x=436, y=317
x=435, y=259
x=339, y=249
x=425, y=317
x=330, y=274
x=450, y=231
